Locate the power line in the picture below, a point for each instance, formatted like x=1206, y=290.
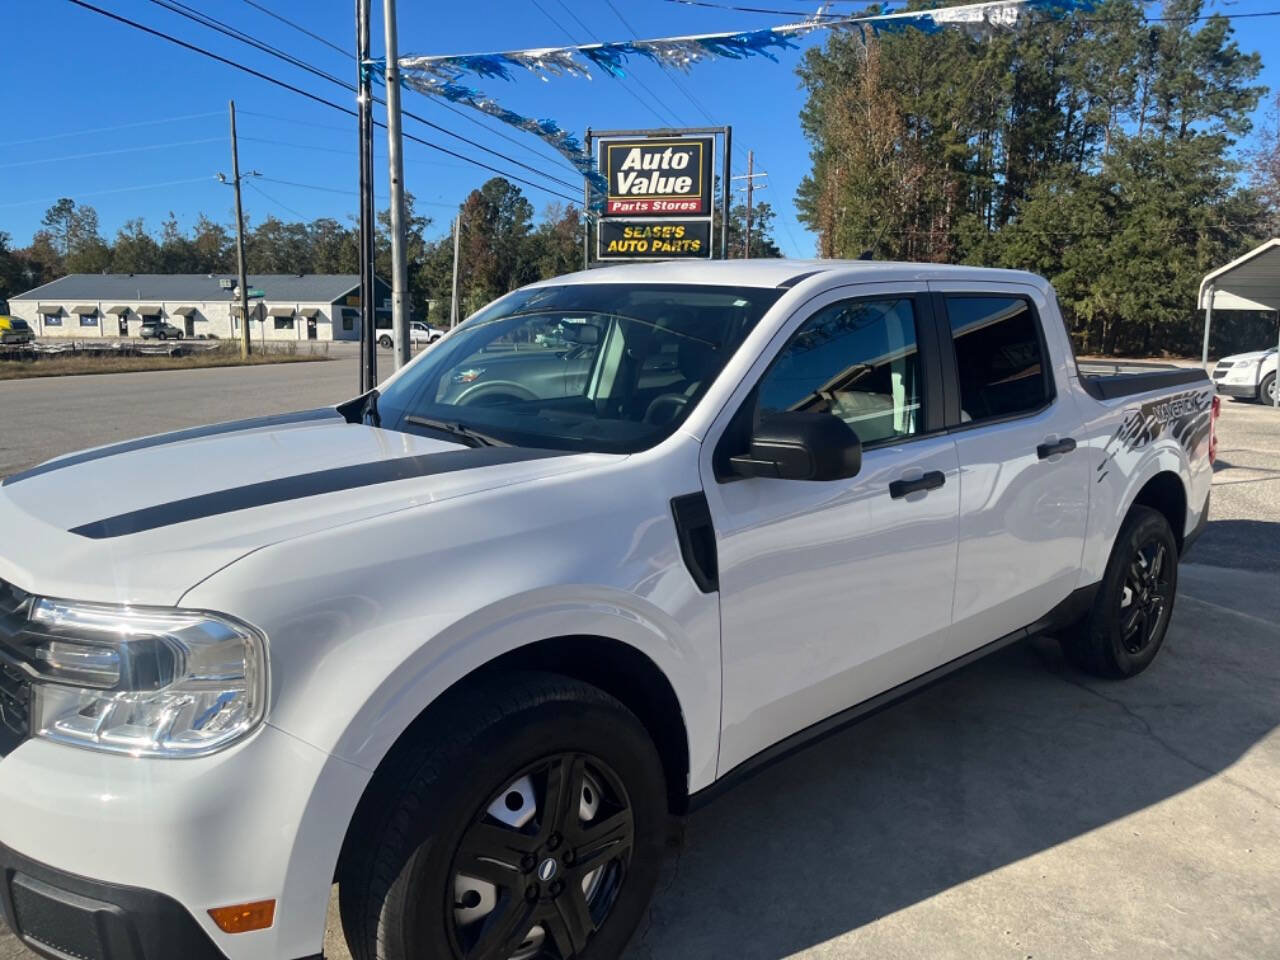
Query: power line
x=346, y=152
x=301, y=29
x=103, y=193
x=111, y=129
x=665, y=68
x=671, y=119
x=108, y=153
x=476, y=121
x=256, y=189
x=310, y=96
x=212, y=23
x=353, y=193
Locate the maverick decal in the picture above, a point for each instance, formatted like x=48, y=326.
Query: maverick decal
x=305, y=485
x=658, y=177
x=1186, y=417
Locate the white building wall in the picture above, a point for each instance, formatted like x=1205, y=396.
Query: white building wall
x=212, y=319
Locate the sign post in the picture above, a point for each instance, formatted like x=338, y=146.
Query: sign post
x=660, y=203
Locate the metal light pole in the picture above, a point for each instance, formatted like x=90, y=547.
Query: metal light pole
x=453, y=300
x=395, y=162
x=244, y=285
x=1208, y=319
x=364, y=101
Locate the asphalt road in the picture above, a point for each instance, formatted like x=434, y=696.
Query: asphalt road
x=1018, y=810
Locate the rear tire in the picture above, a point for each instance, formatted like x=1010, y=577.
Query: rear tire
x=502, y=745
x=384, y=342
x=1130, y=616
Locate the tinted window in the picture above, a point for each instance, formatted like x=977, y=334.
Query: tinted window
x=857, y=359
x=604, y=367
x=998, y=356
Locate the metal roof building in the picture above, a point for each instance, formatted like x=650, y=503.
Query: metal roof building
x=291, y=306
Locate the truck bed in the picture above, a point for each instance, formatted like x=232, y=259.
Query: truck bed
x=1109, y=381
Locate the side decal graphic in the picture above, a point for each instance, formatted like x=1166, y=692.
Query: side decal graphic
x=1185, y=416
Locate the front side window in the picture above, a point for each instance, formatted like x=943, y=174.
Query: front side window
x=999, y=357
x=857, y=359
x=611, y=368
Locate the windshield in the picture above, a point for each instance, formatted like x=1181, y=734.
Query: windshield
x=610, y=368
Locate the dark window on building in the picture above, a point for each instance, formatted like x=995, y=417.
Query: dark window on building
x=348, y=320
x=88, y=319
x=284, y=323
x=999, y=357
x=52, y=320
x=857, y=359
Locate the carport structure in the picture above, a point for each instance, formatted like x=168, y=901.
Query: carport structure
x=1251, y=282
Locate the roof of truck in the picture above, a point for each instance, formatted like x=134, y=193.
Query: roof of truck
x=789, y=273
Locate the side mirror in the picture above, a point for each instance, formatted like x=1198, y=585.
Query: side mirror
x=801, y=446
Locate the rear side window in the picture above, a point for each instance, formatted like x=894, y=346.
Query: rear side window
x=857, y=359
x=999, y=357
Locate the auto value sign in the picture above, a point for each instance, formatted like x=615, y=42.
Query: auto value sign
x=660, y=177
x=654, y=239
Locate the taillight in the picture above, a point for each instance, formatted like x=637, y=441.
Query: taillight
x=1213, y=428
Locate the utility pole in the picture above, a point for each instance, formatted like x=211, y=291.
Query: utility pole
x=395, y=160
x=750, y=189
x=243, y=280
x=364, y=102
x=453, y=300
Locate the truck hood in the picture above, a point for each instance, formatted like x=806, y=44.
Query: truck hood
x=1255, y=355
x=143, y=521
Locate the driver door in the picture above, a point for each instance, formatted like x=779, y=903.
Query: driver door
x=834, y=592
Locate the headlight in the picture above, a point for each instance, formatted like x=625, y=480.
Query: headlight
x=146, y=682
x=1247, y=363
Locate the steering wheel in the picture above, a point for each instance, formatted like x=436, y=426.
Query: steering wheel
x=665, y=408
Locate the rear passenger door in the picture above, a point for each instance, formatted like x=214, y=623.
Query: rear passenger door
x=1024, y=489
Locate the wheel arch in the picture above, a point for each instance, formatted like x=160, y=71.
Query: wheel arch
x=1165, y=493
x=619, y=669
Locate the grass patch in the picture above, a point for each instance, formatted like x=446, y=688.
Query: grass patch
x=69, y=364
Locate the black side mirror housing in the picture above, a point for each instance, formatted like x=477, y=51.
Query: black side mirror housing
x=800, y=446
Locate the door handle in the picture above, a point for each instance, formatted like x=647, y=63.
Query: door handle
x=929, y=481
x=1047, y=450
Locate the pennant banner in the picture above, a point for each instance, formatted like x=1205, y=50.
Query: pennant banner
x=442, y=75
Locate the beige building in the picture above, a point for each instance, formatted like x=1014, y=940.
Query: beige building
x=201, y=306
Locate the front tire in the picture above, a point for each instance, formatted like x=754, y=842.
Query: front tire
x=1130, y=616
x=527, y=821
x=1267, y=390
x=384, y=342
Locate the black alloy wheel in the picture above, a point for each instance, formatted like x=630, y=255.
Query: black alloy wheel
x=524, y=817
x=540, y=867
x=1126, y=626
x=1145, y=597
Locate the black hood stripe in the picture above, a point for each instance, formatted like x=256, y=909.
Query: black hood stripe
x=306, y=485
x=177, y=436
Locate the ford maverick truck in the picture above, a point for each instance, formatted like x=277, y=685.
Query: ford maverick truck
x=465, y=644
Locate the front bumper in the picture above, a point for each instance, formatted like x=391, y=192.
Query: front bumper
x=1249, y=390
x=115, y=858
x=60, y=915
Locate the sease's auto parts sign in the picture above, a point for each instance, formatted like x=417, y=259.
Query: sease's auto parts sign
x=654, y=239
x=661, y=177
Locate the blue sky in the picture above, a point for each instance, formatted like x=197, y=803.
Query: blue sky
x=138, y=127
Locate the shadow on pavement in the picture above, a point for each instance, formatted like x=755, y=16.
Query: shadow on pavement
x=1008, y=759
x=1242, y=544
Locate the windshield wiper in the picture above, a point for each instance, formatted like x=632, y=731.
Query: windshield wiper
x=472, y=438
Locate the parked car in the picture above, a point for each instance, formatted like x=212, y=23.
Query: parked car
x=14, y=329
x=775, y=497
x=1248, y=376
x=160, y=330
x=419, y=332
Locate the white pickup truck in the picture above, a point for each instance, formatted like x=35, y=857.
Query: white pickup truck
x=466, y=652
